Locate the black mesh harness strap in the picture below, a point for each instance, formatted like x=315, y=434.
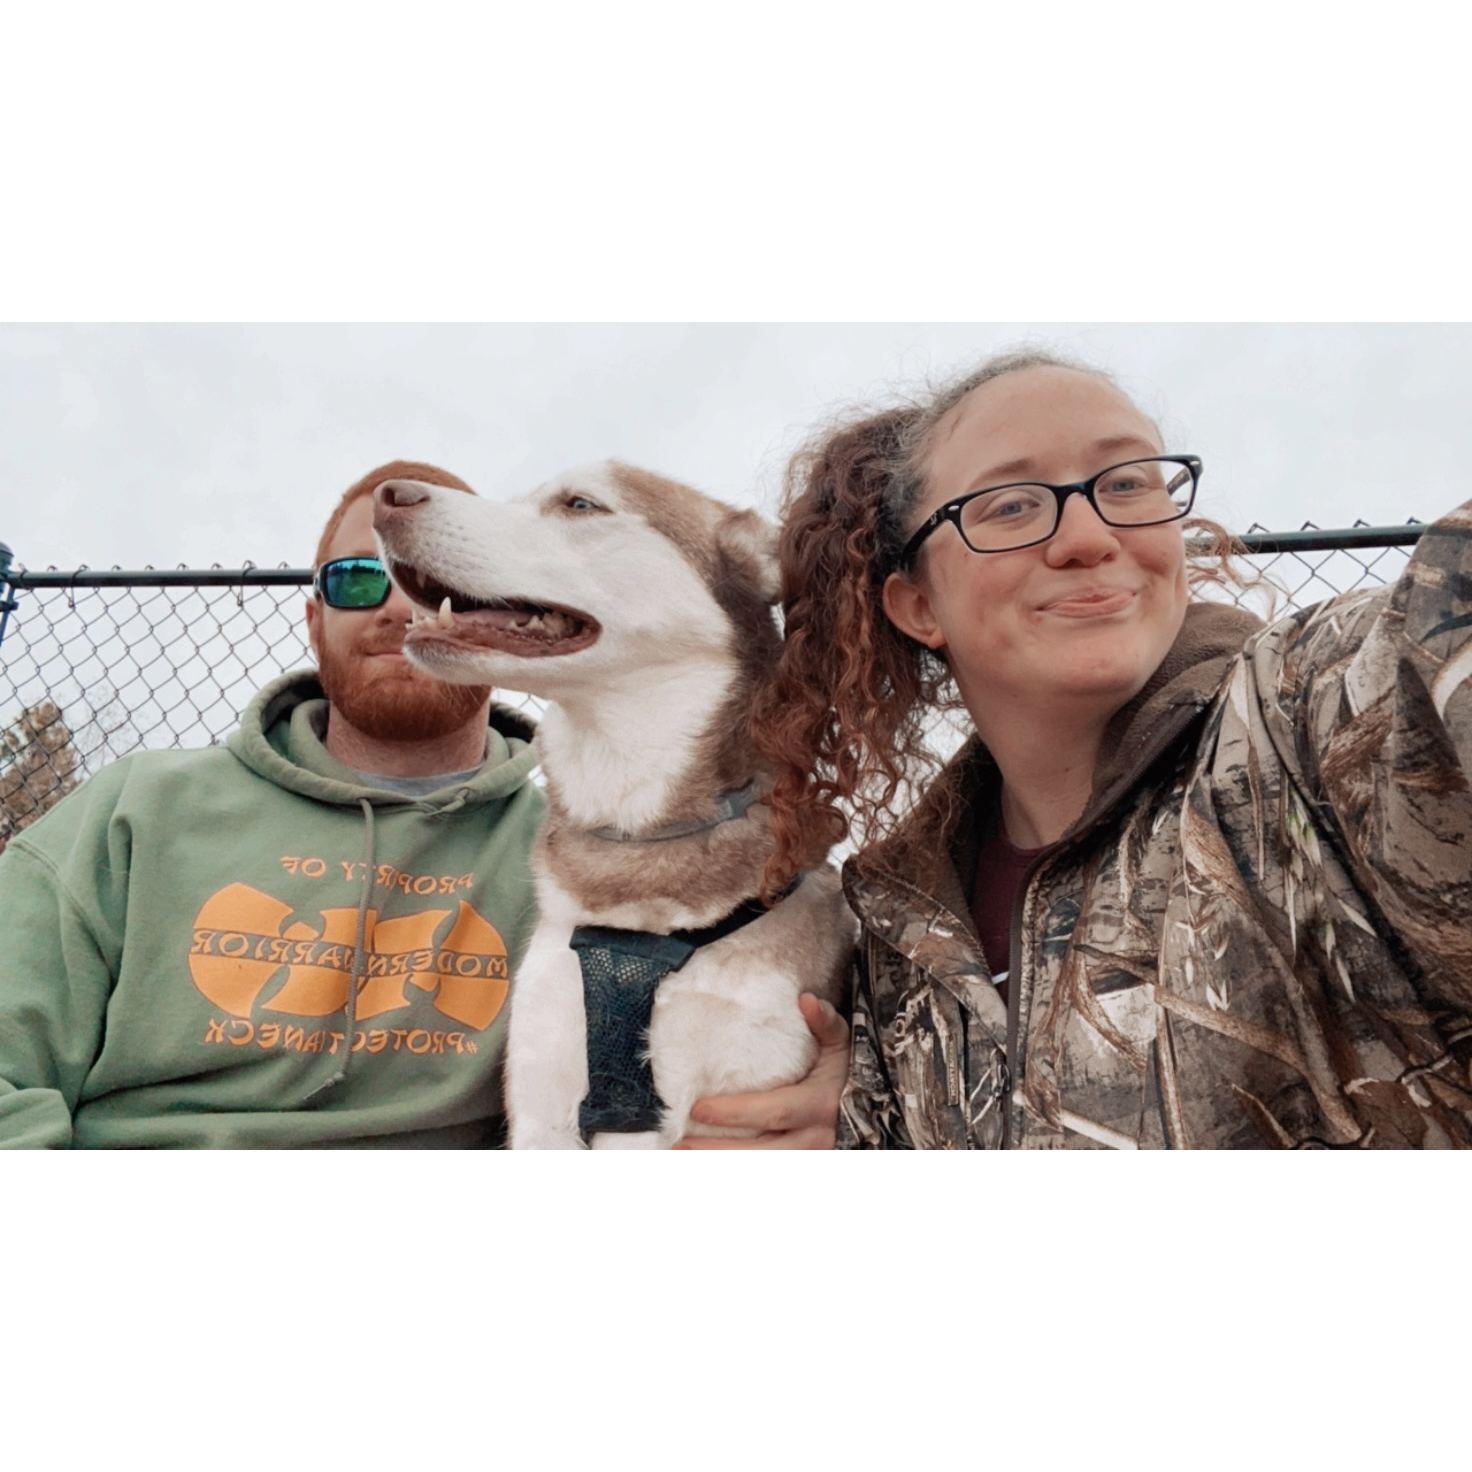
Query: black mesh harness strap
x=622, y=970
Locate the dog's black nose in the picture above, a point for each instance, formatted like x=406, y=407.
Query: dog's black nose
x=401, y=493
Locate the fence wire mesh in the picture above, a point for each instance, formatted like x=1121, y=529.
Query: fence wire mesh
x=96, y=665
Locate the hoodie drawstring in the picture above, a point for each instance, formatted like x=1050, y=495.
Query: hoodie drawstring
x=360, y=953
x=461, y=797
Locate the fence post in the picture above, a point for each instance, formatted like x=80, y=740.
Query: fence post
x=8, y=604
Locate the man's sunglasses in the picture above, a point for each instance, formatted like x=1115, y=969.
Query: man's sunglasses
x=352, y=582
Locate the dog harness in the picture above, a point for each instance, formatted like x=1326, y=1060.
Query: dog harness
x=622, y=970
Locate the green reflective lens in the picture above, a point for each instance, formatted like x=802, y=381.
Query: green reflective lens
x=353, y=582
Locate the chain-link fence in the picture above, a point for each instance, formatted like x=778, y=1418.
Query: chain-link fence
x=97, y=664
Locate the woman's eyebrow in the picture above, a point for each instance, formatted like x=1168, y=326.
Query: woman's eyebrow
x=1107, y=446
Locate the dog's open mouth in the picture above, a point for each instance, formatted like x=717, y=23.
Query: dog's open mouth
x=444, y=615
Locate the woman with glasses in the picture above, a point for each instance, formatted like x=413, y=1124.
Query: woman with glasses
x=1189, y=882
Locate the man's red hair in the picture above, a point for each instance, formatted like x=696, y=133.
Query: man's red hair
x=394, y=470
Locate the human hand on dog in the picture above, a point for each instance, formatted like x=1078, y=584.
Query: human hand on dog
x=800, y=1116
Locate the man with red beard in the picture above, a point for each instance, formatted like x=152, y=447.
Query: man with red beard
x=384, y=716
x=305, y=937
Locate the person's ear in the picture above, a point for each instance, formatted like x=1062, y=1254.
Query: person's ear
x=908, y=607
x=314, y=627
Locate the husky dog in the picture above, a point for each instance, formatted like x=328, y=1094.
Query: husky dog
x=641, y=611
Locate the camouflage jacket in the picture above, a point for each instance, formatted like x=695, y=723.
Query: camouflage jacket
x=1258, y=934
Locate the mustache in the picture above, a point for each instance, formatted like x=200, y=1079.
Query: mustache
x=383, y=641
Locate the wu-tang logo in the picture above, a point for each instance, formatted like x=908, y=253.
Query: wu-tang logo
x=245, y=955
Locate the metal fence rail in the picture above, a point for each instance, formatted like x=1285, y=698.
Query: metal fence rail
x=97, y=663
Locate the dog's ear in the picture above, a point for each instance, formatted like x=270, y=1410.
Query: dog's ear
x=749, y=543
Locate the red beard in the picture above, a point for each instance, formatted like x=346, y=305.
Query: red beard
x=396, y=703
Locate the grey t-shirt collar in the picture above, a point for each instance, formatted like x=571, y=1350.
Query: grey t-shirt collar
x=417, y=786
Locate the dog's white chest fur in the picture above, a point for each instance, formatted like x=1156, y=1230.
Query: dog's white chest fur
x=726, y=1022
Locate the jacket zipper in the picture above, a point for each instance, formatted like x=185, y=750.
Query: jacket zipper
x=1014, y=989
x=1161, y=743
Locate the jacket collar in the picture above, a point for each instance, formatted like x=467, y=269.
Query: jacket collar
x=925, y=913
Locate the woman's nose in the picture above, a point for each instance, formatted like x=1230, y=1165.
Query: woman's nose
x=1082, y=535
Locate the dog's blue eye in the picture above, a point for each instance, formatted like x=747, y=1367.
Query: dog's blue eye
x=582, y=503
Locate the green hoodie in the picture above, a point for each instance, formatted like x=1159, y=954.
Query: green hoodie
x=180, y=934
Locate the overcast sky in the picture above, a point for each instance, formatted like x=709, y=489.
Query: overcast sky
x=201, y=444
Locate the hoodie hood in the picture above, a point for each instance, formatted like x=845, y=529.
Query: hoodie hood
x=281, y=738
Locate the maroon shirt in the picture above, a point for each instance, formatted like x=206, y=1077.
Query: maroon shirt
x=1000, y=867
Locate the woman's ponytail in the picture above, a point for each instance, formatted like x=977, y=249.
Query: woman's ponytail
x=839, y=719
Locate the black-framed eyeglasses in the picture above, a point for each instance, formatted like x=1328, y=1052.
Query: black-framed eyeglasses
x=352, y=582
x=1005, y=518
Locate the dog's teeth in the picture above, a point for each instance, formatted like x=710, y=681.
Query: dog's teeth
x=446, y=617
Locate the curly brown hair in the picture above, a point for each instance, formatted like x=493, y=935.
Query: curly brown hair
x=847, y=717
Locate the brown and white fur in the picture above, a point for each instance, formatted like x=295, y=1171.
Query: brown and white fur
x=641, y=611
